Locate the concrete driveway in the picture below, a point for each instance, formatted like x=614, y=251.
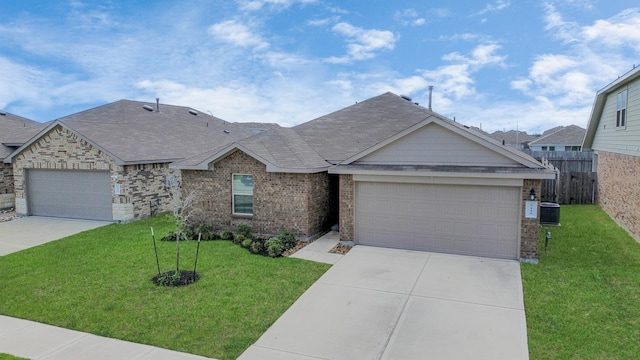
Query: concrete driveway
x=378, y=303
x=26, y=232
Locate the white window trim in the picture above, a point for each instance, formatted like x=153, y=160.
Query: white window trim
x=623, y=123
x=233, y=196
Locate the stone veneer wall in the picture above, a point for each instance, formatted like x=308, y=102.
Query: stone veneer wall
x=63, y=150
x=530, y=228
x=281, y=201
x=346, y=200
x=619, y=189
x=146, y=190
x=7, y=195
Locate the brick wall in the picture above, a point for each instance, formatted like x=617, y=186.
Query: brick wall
x=281, y=201
x=619, y=189
x=530, y=228
x=346, y=208
x=63, y=150
x=7, y=195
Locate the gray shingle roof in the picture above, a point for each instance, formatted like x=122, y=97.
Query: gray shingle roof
x=344, y=133
x=568, y=135
x=133, y=134
x=15, y=130
x=281, y=148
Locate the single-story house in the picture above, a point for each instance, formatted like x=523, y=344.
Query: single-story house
x=14, y=132
x=392, y=173
x=613, y=134
x=112, y=162
x=564, y=138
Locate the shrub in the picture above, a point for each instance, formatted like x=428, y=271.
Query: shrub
x=257, y=246
x=244, y=230
x=243, y=241
x=226, y=235
x=275, y=247
x=207, y=231
x=171, y=236
x=288, y=240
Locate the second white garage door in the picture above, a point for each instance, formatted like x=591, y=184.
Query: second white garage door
x=457, y=219
x=70, y=194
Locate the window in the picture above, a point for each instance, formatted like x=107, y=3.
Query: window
x=544, y=148
x=552, y=148
x=242, y=194
x=572, y=148
x=621, y=112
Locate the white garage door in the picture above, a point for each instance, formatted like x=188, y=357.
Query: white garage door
x=457, y=219
x=70, y=194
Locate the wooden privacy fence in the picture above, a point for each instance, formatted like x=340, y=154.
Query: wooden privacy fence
x=577, y=184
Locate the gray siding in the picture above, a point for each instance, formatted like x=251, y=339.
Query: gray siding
x=620, y=140
x=435, y=145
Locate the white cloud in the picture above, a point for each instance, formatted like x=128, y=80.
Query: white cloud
x=255, y=5
x=623, y=29
x=238, y=34
x=362, y=44
x=409, y=17
x=494, y=7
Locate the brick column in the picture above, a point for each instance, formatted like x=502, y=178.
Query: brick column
x=346, y=207
x=530, y=228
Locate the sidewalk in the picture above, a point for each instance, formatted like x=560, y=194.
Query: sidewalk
x=318, y=250
x=38, y=341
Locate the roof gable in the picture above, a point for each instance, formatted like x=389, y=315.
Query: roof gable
x=600, y=101
x=438, y=141
x=434, y=144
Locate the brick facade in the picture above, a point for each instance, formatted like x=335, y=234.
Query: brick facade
x=618, y=189
x=7, y=195
x=281, y=201
x=143, y=186
x=346, y=208
x=530, y=228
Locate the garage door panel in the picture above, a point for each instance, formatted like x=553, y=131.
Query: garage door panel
x=459, y=219
x=70, y=194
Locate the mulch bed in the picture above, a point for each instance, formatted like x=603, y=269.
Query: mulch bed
x=175, y=278
x=340, y=249
x=7, y=215
x=299, y=245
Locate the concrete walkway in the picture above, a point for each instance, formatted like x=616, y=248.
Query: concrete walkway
x=37, y=341
x=26, y=232
x=318, y=250
x=378, y=303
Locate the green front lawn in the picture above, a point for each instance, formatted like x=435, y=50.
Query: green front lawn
x=583, y=300
x=99, y=281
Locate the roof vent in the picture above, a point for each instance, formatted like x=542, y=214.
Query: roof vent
x=193, y=112
x=405, y=97
x=147, y=107
x=225, y=131
x=2, y=113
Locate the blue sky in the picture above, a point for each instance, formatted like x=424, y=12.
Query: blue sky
x=496, y=64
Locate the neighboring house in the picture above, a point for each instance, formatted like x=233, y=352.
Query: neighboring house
x=392, y=173
x=516, y=139
x=613, y=133
x=112, y=162
x=14, y=132
x=567, y=138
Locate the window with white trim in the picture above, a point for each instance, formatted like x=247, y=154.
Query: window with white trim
x=242, y=189
x=621, y=110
